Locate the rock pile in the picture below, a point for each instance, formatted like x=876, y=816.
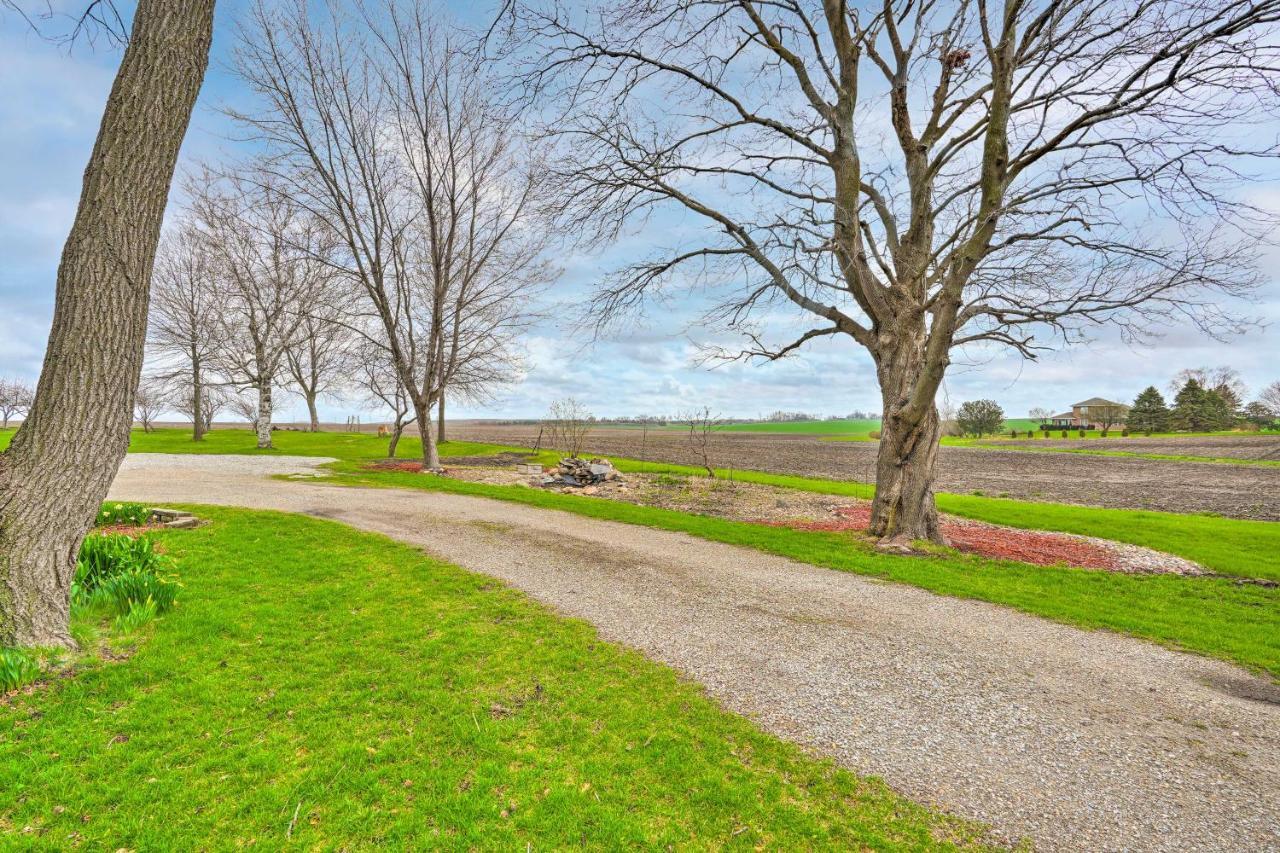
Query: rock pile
x=573, y=471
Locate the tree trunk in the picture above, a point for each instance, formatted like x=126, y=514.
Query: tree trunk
x=395, y=440
x=430, y=452
x=62, y=460
x=311, y=410
x=197, y=402
x=440, y=423
x=904, y=509
x=262, y=425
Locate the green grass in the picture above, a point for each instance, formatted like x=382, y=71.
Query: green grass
x=378, y=698
x=1212, y=616
x=844, y=426
x=341, y=445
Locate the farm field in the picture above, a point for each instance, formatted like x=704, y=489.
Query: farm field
x=1236, y=491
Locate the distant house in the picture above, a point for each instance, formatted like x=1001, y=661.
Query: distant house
x=1094, y=413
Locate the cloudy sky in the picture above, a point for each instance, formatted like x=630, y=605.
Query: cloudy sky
x=50, y=104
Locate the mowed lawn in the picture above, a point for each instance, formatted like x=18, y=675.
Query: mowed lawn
x=322, y=688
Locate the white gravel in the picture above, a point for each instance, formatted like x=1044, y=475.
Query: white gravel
x=1077, y=740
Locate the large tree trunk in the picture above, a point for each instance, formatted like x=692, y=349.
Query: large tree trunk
x=904, y=509
x=197, y=401
x=311, y=410
x=440, y=422
x=430, y=452
x=62, y=460
x=262, y=425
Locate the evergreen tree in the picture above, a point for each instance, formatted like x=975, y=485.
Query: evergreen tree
x=1219, y=413
x=1194, y=409
x=1149, y=412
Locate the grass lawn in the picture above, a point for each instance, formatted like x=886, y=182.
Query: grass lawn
x=1026, y=446
x=376, y=697
x=1213, y=616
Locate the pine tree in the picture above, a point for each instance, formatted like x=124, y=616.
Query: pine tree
x=1149, y=412
x=1193, y=410
x=1219, y=413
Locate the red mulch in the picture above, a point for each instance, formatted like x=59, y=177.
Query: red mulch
x=988, y=540
x=129, y=529
x=395, y=465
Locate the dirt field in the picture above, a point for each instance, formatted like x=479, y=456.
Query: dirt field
x=1236, y=491
x=1257, y=447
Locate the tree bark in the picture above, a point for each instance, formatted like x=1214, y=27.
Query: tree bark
x=56, y=472
x=263, y=423
x=197, y=401
x=440, y=422
x=311, y=410
x=430, y=452
x=904, y=509
x=395, y=441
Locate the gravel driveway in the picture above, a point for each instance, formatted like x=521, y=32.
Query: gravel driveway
x=1075, y=739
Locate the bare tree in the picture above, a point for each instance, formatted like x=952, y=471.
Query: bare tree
x=1108, y=416
x=61, y=462
x=184, y=326
x=266, y=252
x=394, y=137
x=567, y=424
x=317, y=357
x=371, y=371
x=702, y=423
x=1270, y=398
x=15, y=398
x=1040, y=414
x=149, y=402
x=917, y=176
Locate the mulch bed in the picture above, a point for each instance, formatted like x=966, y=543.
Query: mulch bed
x=1038, y=547
x=129, y=529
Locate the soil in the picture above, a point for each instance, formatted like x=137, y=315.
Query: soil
x=753, y=502
x=1234, y=491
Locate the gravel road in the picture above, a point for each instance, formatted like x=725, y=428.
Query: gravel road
x=1077, y=740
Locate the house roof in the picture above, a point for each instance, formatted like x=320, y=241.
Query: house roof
x=1062, y=416
x=1097, y=401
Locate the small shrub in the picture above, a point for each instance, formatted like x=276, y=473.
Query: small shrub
x=1124, y=433
x=874, y=435
x=1064, y=433
x=123, y=513
x=1082, y=433
x=17, y=669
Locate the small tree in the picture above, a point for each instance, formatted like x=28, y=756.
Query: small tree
x=15, y=398
x=701, y=425
x=567, y=424
x=149, y=402
x=1040, y=415
x=1107, y=416
x=980, y=417
x=1260, y=415
x=1148, y=412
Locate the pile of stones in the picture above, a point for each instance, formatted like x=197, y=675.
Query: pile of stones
x=581, y=473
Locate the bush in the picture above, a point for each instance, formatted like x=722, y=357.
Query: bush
x=17, y=669
x=123, y=513
x=874, y=435
x=1124, y=433
x=1064, y=433
x=1082, y=433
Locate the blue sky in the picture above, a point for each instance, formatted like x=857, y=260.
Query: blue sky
x=50, y=104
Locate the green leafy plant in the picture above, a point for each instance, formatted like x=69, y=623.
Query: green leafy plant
x=122, y=571
x=123, y=513
x=17, y=669
x=131, y=589
x=138, y=615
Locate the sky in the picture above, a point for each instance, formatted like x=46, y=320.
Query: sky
x=51, y=101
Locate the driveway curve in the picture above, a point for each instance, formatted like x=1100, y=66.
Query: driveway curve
x=1073, y=739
